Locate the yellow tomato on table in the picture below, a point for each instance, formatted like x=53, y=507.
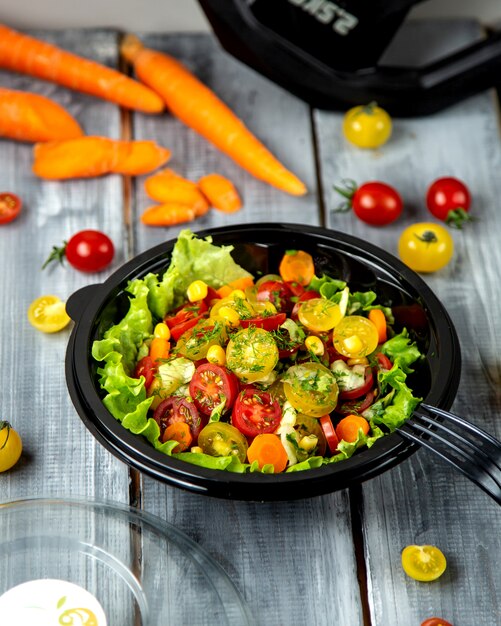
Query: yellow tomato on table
x=423, y=563
x=367, y=126
x=426, y=247
x=48, y=314
x=10, y=446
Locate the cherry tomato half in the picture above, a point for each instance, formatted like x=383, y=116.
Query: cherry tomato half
x=367, y=126
x=435, y=621
x=449, y=200
x=222, y=439
x=256, y=412
x=210, y=385
x=177, y=409
x=355, y=336
x=311, y=388
x=252, y=354
x=276, y=292
x=375, y=203
x=423, y=563
x=271, y=322
x=145, y=367
x=48, y=314
x=10, y=207
x=426, y=247
x=329, y=432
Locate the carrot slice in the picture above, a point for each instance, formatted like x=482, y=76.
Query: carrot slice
x=378, y=318
x=26, y=116
x=180, y=432
x=199, y=108
x=267, y=449
x=159, y=349
x=168, y=187
x=297, y=266
x=347, y=429
x=86, y=157
x=167, y=214
x=25, y=54
x=220, y=192
x=239, y=283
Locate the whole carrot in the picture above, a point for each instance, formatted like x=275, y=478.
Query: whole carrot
x=86, y=157
x=200, y=109
x=28, y=55
x=28, y=116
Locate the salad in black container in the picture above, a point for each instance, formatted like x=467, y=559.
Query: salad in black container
x=259, y=362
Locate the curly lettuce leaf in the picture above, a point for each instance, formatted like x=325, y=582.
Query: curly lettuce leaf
x=401, y=351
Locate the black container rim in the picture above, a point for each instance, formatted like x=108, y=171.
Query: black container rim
x=138, y=453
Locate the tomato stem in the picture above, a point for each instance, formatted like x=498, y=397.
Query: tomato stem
x=369, y=108
x=457, y=217
x=57, y=254
x=347, y=189
x=427, y=237
x=5, y=424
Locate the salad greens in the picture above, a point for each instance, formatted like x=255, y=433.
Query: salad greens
x=152, y=297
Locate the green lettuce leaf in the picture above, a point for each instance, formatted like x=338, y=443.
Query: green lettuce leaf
x=401, y=351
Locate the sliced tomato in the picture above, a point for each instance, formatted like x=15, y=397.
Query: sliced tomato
x=276, y=292
x=330, y=433
x=212, y=295
x=186, y=312
x=356, y=406
x=296, y=288
x=210, y=385
x=177, y=409
x=179, y=329
x=271, y=322
x=383, y=361
x=145, y=367
x=10, y=207
x=256, y=412
x=362, y=390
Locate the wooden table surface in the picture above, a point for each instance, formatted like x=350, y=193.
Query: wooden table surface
x=328, y=560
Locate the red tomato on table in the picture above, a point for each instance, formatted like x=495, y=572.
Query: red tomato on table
x=10, y=207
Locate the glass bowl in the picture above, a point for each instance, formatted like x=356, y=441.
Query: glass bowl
x=138, y=569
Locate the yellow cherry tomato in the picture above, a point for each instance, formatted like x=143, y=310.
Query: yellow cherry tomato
x=355, y=336
x=319, y=314
x=367, y=126
x=48, y=314
x=423, y=563
x=426, y=247
x=311, y=388
x=10, y=446
x=251, y=354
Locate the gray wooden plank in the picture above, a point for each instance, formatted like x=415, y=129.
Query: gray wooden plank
x=423, y=501
x=61, y=458
x=279, y=120
x=282, y=556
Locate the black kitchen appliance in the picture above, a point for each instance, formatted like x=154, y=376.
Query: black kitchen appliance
x=328, y=53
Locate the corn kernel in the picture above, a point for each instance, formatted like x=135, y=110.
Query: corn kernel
x=217, y=355
x=162, y=331
x=308, y=442
x=198, y=290
x=196, y=450
x=353, y=344
x=314, y=345
x=229, y=316
x=237, y=294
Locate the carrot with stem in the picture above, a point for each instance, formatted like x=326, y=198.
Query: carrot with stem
x=26, y=116
x=202, y=110
x=267, y=449
x=86, y=157
x=169, y=187
x=28, y=55
x=220, y=192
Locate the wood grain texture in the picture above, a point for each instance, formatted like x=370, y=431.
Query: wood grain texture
x=61, y=458
x=423, y=501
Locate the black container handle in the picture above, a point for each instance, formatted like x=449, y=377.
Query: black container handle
x=77, y=302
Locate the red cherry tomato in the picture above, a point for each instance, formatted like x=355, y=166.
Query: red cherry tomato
x=86, y=251
x=329, y=432
x=145, y=367
x=357, y=406
x=272, y=322
x=255, y=412
x=307, y=295
x=383, y=361
x=10, y=207
x=375, y=203
x=362, y=390
x=185, y=317
x=278, y=293
x=435, y=621
x=449, y=200
x=177, y=409
x=210, y=385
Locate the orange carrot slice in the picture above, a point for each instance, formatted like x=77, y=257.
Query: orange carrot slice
x=267, y=449
x=377, y=317
x=349, y=426
x=297, y=266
